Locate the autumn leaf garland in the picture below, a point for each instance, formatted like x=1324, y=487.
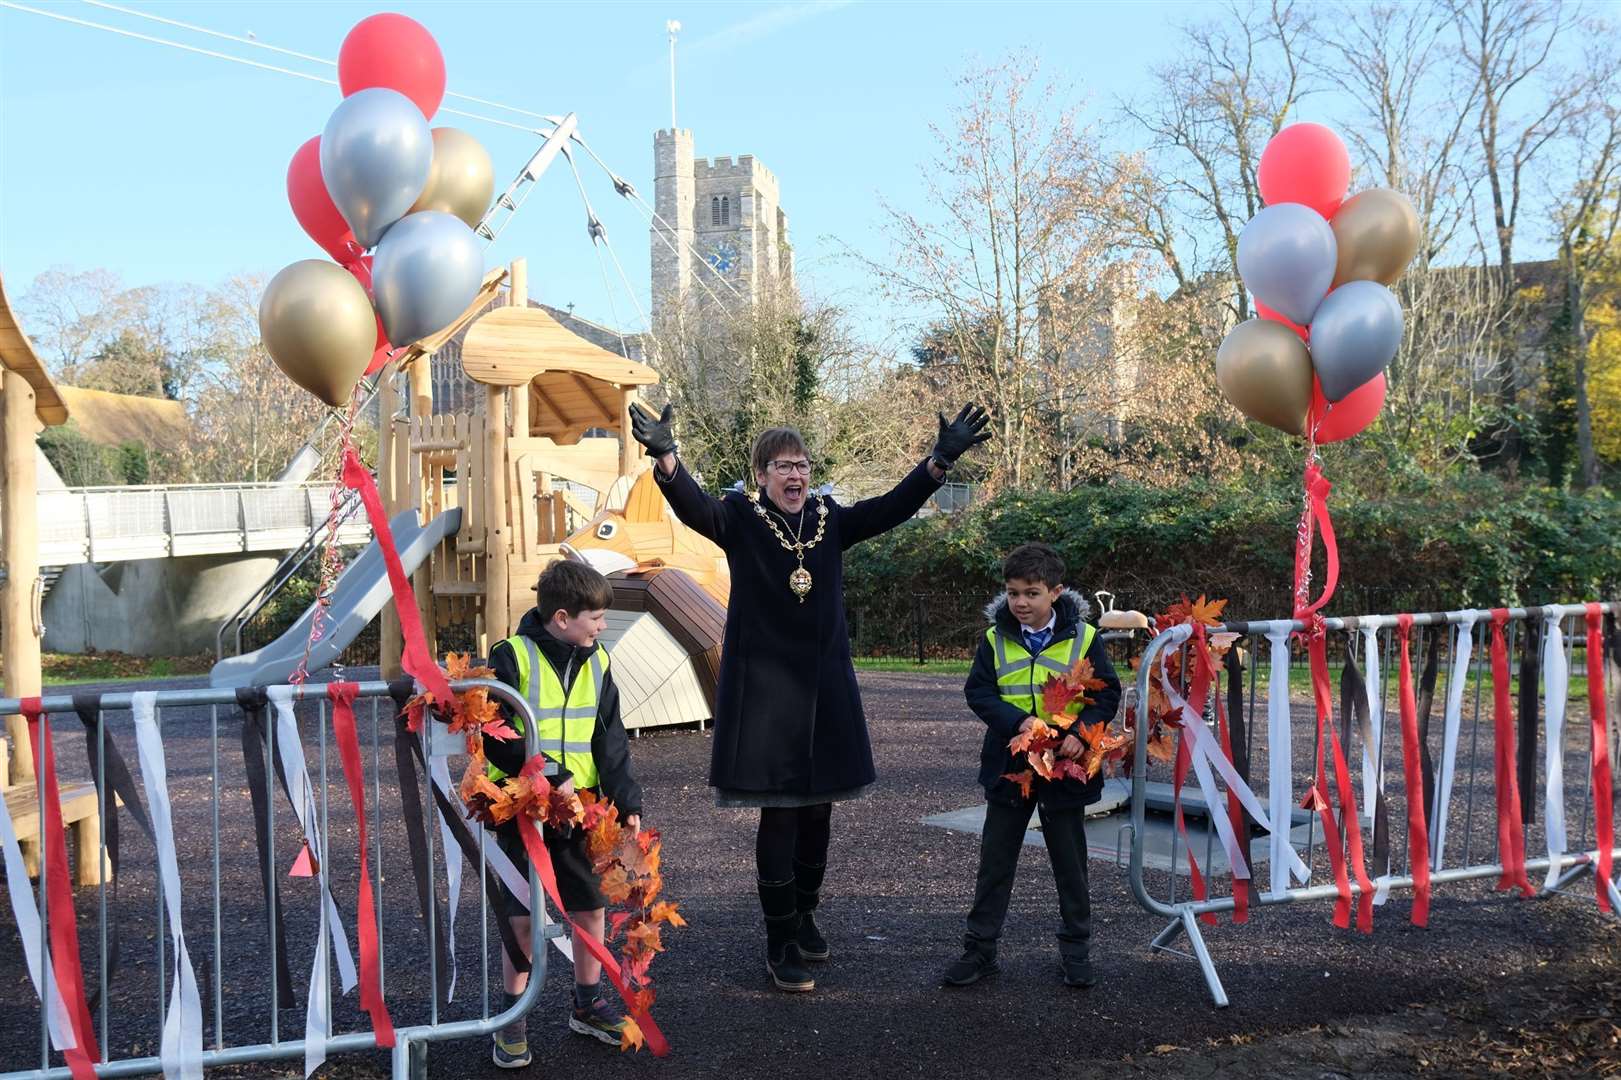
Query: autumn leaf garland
x=625, y=860
x=1106, y=746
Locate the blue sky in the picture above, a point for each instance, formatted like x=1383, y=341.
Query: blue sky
x=168, y=166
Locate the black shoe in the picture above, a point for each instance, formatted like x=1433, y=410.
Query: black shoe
x=812, y=945
x=787, y=969
x=971, y=967
x=1078, y=973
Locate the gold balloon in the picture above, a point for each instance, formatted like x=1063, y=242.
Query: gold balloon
x=1265, y=371
x=1377, y=235
x=319, y=327
x=462, y=179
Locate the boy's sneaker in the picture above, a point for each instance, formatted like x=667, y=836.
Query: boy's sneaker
x=599, y=1020
x=1078, y=973
x=812, y=945
x=971, y=967
x=511, y=1049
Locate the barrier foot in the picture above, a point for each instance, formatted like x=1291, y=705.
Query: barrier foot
x=1212, y=981
x=1166, y=936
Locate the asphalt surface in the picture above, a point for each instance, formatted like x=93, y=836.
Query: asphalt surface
x=896, y=894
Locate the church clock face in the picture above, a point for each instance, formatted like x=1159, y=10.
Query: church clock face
x=722, y=257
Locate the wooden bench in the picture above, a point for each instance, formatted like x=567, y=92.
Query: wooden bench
x=78, y=810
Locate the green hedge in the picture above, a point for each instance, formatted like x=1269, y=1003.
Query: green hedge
x=1471, y=542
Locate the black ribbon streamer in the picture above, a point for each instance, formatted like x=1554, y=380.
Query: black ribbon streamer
x=1354, y=700
x=122, y=785
x=1426, y=699
x=1237, y=727
x=408, y=755
x=1525, y=747
x=252, y=701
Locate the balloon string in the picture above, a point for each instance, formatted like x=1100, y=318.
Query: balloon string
x=331, y=554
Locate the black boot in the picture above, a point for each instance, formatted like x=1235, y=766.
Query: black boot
x=807, y=895
x=783, y=962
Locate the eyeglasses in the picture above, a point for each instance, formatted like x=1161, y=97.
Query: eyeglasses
x=789, y=468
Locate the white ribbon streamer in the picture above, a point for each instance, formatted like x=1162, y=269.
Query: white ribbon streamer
x=1373, y=756
x=318, y=1013
x=1279, y=751
x=182, y=1048
x=28, y=928
x=1194, y=726
x=1456, y=684
x=1205, y=752
x=440, y=771
x=1556, y=689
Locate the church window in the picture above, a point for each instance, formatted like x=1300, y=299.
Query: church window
x=714, y=211
x=725, y=210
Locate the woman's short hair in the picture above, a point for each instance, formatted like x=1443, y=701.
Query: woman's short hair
x=772, y=443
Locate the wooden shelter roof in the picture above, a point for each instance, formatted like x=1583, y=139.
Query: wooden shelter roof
x=114, y=419
x=17, y=353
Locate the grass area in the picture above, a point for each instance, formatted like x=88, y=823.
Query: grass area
x=896, y=663
x=61, y=669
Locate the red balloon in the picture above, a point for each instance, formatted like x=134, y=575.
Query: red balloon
x=1350, y=414
x=1267, y=313
x=1305, y=163
x=380, y=357
x=395, y=52
x=313, y=207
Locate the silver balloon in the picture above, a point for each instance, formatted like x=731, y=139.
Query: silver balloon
x=376, y=153
x=1286, y=256
x=1356, y=333
x=426, y=271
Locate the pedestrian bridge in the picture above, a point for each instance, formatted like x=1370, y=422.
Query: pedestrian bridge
x=116, y=524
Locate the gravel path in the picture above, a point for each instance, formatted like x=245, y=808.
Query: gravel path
x=896, y=896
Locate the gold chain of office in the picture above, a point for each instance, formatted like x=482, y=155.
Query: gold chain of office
x=800, y=580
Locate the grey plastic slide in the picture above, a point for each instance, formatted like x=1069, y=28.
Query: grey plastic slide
x=360, y=593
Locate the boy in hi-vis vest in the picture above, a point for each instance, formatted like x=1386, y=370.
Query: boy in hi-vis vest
x=1037, y=630
x=554, y=661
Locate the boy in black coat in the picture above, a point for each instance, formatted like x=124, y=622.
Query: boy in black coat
x=1037, y=630
x=555, y=662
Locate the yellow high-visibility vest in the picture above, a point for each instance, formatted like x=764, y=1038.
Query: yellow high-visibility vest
x=1020, y=676
x=566, y=721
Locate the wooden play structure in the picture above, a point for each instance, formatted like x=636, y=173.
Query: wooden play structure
x=547, y=471
x=30, y=403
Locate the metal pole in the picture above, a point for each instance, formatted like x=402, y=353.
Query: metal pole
x=673, y=28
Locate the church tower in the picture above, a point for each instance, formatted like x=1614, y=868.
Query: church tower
x=724, y=233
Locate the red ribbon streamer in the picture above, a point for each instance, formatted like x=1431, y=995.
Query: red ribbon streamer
x=371, y=981
x=1603, y=793
x=542, y=861
x=1178, y=775
x=1328, y=738
x=1510, y=832
x=64, y=921
x=414, y=660
x=1315, y=511
x=1418, y=833
x=1235, y=814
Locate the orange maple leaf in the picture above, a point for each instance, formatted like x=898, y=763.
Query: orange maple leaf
x=460, y=666
x=1043, y=763
x=1161, y=747
x=615, y=884
x=630, y=1035
x=1091, y=733
x=1026, y=781
x=602, y=840
x=1082, y=677
x=665, y=911
x=1036, y=739
x=643, y=938
x=1056, y=695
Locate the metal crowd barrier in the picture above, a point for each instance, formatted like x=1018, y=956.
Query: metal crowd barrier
x=1352, y=635
x=411, y=1038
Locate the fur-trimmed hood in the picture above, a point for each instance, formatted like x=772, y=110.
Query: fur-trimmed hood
x=1071, y=609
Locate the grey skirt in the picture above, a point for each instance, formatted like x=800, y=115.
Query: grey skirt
x=729, y=799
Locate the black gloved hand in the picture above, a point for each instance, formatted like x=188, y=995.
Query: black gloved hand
x=960, y=435
x=655, y=434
